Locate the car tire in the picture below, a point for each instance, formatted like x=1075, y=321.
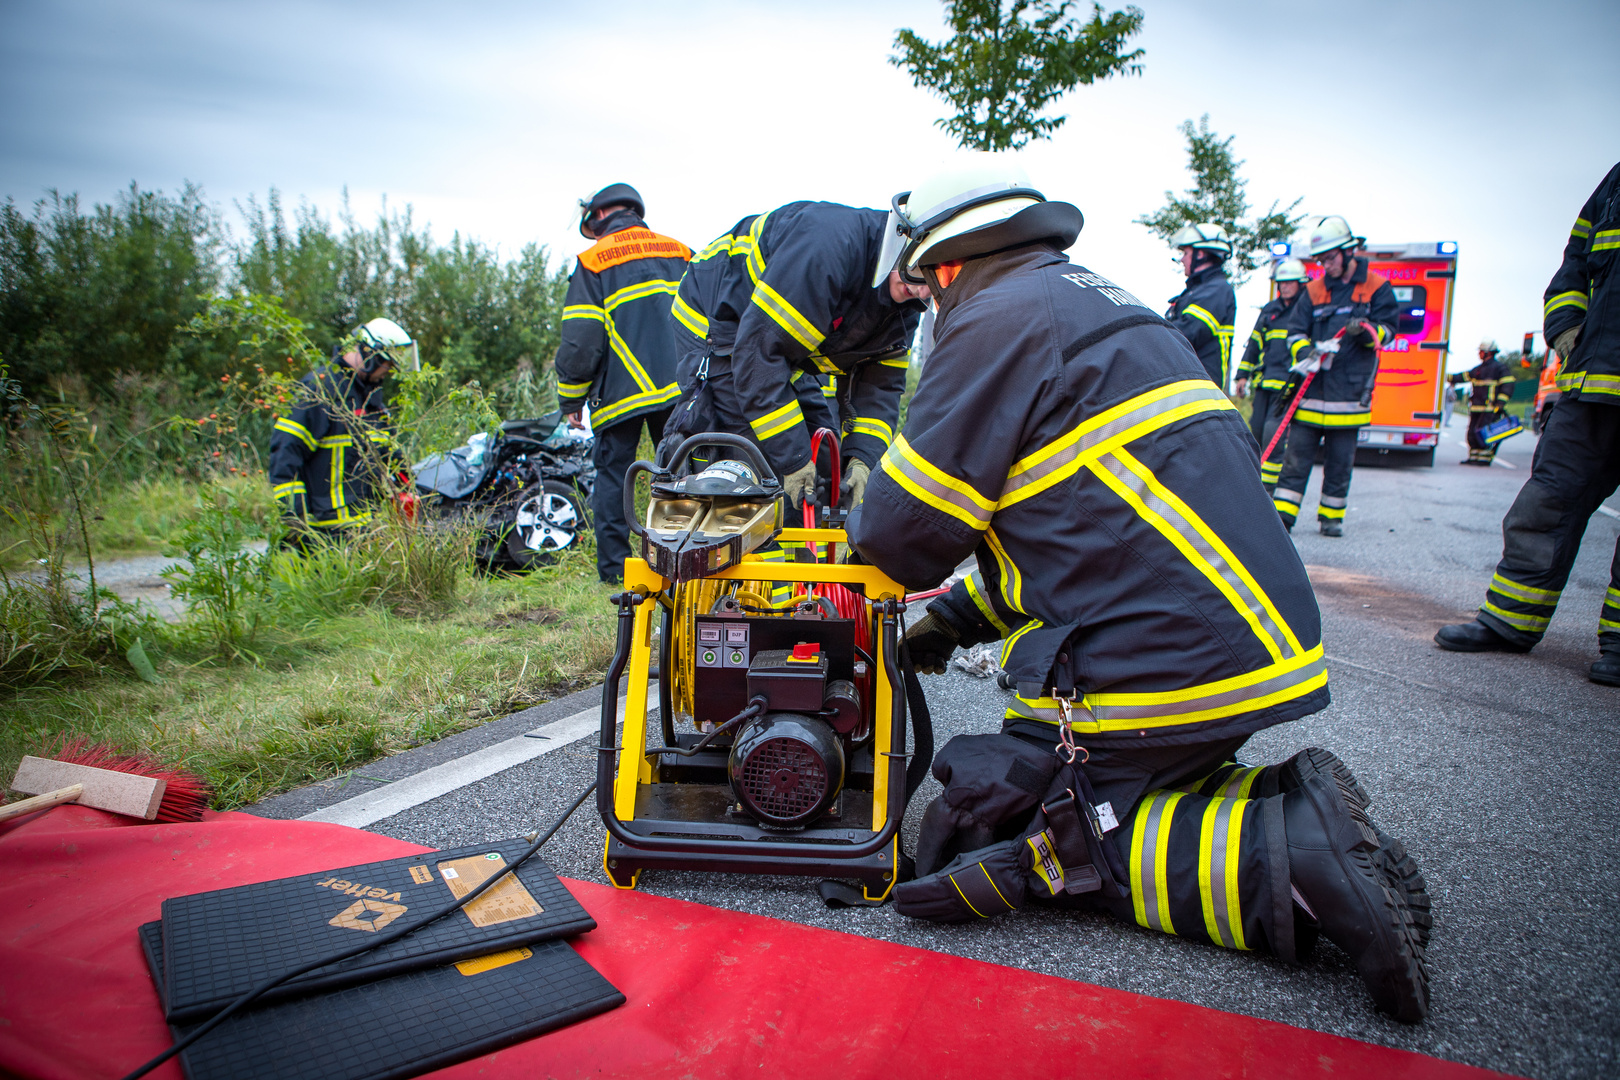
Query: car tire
x=551, y=513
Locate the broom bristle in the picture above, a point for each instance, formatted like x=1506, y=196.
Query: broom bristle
x=185, y=795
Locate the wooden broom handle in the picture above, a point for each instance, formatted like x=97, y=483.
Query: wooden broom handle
x=41, y=802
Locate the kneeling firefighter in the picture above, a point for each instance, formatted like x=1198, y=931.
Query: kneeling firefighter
x=1155, y=615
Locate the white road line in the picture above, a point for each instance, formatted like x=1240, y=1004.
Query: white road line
x=1606, y=510
x=401, y=795
x=1505, y=464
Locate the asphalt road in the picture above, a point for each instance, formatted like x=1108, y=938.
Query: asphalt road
x=1498, y=771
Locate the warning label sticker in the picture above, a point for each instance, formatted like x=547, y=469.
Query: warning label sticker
x=421, y=875
x=480, y=964
x=506, y=902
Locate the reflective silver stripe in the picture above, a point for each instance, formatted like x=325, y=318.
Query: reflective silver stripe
x=1215, y=867
x=1334, y=500
x=1288, y=496
x=1221, y=703
x=1022, y=476
x=1319, y=405
x=1150, y=906
x=914, y=473
x=1195, y=539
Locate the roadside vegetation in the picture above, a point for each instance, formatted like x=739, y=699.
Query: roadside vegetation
x=144, y=352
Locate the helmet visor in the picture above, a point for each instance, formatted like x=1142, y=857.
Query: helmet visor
x=893, y=242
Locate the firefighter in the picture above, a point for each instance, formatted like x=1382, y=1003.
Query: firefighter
x=1577, y=461
x=1154, y=613
x=618, y=350
x=787, y=317
x=1207, y=308
x=1349, y=315
x=330, y=454
x=1491, y=388
x=1263, y=373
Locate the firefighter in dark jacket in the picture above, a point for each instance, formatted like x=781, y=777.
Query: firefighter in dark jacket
x=1349, y=314
x=1263, y=372
x=782, y=295
x=1577, y=461
x=1490, y=389
x=618, y=350
x=329, y=453
x=1154, y=616
x=1206, y=310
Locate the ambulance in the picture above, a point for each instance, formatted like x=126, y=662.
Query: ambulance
x=1406, y=402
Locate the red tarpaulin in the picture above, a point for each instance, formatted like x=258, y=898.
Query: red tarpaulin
x=711, y=993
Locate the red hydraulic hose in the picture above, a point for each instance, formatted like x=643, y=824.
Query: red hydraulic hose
x=1287, y=416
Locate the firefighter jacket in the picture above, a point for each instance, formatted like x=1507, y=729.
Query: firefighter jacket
x=1125, y=546
x=325, y=455
x=1265, y=358
x=1340, y=395
x=618, y=342
x=791, y=291
x=1205, y=313
x=1586, y=293
x=1492, y=385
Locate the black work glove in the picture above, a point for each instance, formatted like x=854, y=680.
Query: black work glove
x=931, y=641
x=1361, y=330
x=977, y=885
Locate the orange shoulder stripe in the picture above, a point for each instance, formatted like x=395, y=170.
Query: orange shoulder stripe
x=627, y=245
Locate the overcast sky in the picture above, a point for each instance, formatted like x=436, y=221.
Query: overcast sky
x=1483, y=122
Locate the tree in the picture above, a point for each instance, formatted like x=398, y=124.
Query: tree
x=1009, y=60
x=1218, y=195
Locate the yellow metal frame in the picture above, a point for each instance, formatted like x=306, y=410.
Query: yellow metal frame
x=638, y=576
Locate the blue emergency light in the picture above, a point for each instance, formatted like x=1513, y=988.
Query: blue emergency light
x=1447, y=247
x=1280, y=250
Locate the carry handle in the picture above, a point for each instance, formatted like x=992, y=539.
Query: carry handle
x=682, y=453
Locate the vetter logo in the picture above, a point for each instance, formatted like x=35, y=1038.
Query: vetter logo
x=367, y=915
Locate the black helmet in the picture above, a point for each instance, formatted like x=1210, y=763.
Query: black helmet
x=612, y=195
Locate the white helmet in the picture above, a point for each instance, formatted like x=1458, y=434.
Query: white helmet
x=974, y=209
x=385, y=339
x=1330, y=234
x=1205, y=236
x=1489, y=346
x=1288, y=270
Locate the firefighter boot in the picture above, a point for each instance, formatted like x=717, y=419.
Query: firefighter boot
x=1607, y=668
x=1333, y=861
x=1474, y=637
x=1401, y=871
x=1332, y=528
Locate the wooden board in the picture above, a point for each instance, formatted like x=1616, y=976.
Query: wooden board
x=122, y=793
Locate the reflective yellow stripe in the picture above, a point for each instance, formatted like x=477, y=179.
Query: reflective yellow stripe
x=1150, y=846
x=344, y=518
x=292, y=487
x=975, y=590
x=786, y=316
x=573, y=389
x=828, y=390
x=337, y=446
x=1582, y=229
x=1595, y=383
x=1524, y=592
x=689, y=317
x=1529, y=623
x=1220, y=838
x=1270, y=685
x=1012, y=582
x=963, y=895
x=1239, y=783
x=635, y=401
x=1330, y=512
x=934, y=487
x=1607, y=624
x=584, y=311
x=1570, y=380
x=750, y=249
x=874, y=427
x=1175, y=521
x=1204, y=317
x=720, y=245
x=777, y=421
x=1564, y=299
x=288, y=426
x=1276, y=335
x=1612, y=597
x=901, y=362
x=1124, y=423
x=1606, y=240
x=650, y=287
x=337, y=440
x=1295, y=347
x=1320, y=417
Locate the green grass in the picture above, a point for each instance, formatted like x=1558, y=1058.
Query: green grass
x=358, y=662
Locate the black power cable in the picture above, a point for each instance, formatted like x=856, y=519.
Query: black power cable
x=271, y=983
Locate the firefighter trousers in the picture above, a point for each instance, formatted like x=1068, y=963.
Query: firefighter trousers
x=1269, y=406
x=1340, y=459
x=1575, y=468
x=1479, y=451
x=613, y=454
x=1202, y=840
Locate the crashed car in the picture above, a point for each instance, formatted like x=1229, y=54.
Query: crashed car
x=527, y=486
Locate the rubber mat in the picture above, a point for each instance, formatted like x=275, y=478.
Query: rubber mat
x=216, y=945
x=402, y=1025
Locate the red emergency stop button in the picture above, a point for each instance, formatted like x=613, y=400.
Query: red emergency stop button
x=806, y=652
